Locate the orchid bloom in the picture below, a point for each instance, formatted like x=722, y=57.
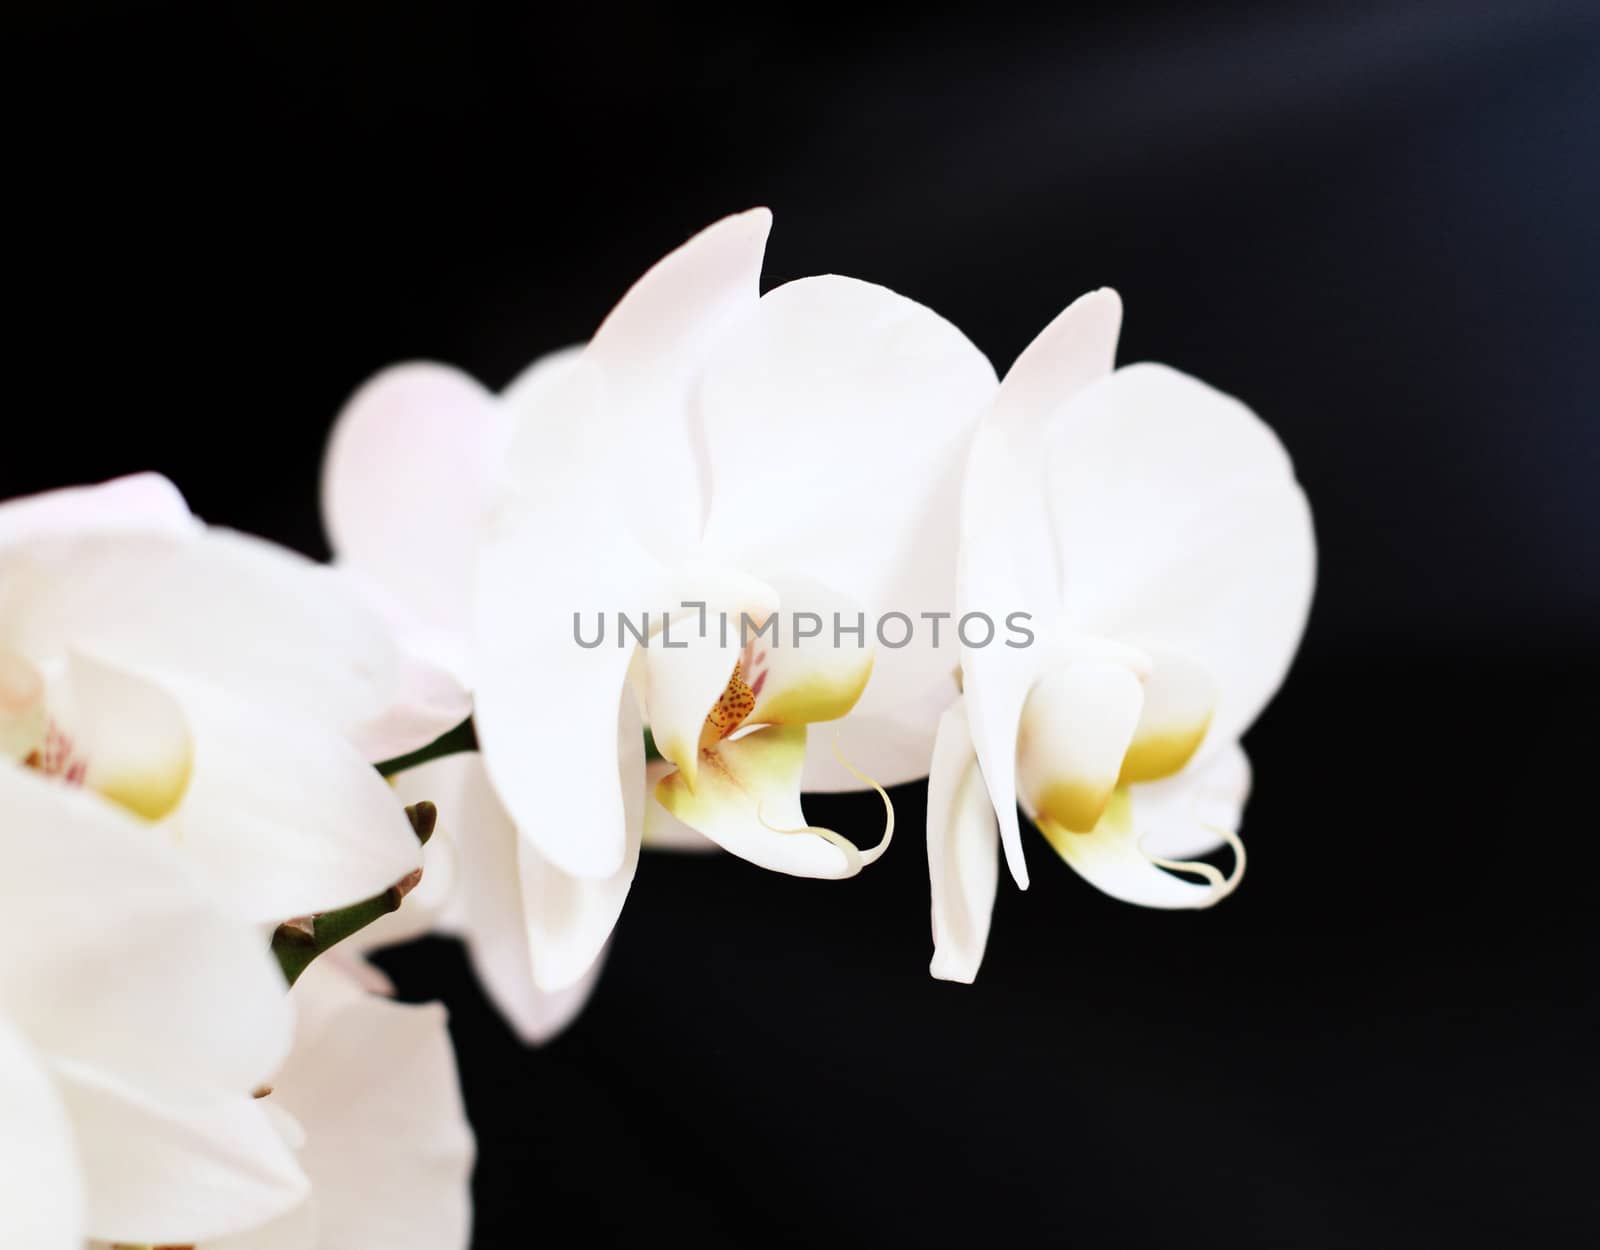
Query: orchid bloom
x=1154, y=530
x=369, y=1102
x=137, y=1021
x=208, y=683
x=713, y=456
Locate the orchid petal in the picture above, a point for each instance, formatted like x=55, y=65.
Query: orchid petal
x=1191, y=814
x=143, y=502
x=222, y=607
x=803, y=680
x=1114, y=858
x=1075, y=729
x=285, y=817
x=1008, y=564
x=1182, y=529
x=650, y=352
x=373, y=1084
x=146, y=980
x=963, y=851
x=747, y=800
x=532, y=930
x=406, y=486
x=1180, y=697
x=41, y=1195
x=526, y=393
x=170, y=1172
x=662, y=830
x=546, y=708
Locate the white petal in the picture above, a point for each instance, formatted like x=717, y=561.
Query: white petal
x=296, y=1230
x=129, y=969
x=531, y=930
x=1114, y=858
x=244, y=614
x=1180, y=697
x=387, y=1146
x=526, y=393
x=862, y=403
x=1182, y=529
x=546, y=708
x=747, y=800
x=144, y=502
x=284, y=817
x=1007, y=561
x=963, y=851
x=406, y=486
x=1075, y=729
x=651, y=351
x=170, y=1172
x=569, y=919
x=662, y=830
x=811, y=670
x=1186, y=816
x=41, y=1195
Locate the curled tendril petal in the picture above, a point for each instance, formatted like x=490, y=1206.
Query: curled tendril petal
x=855, y=858
x=1221, y=886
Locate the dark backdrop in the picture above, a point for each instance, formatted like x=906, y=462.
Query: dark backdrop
x=1374, y=223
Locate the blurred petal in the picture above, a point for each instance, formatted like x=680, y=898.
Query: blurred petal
x=144, y=502
x=175, y=1172
x=1182, y=529
x=406, y=486
x=129, y=968
x=525, y=394
x=747, y=801
x=41, y=1195
x=243, y=614
x=286, y=818
x=387, y=1146
x=963, y=851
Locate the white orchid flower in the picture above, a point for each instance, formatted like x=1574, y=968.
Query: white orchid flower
x=137, y=1020
x=370, y=1104
x=1154, y=530
x=761, y=456
x=209, y=683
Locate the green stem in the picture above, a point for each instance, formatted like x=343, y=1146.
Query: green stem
x=295, y=948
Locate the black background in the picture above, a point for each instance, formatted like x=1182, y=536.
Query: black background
x=1377, y=224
